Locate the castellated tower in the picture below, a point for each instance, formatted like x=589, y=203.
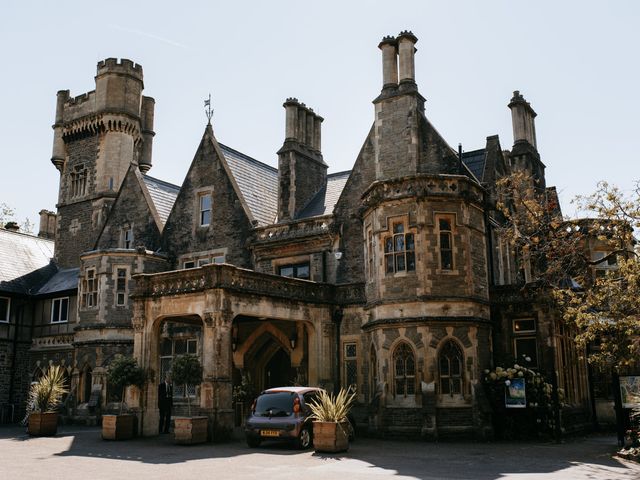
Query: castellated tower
x=97, y=135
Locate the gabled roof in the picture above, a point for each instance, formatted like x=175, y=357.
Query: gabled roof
x=62, y=281
x=258, y=183
x=326, y=199
x=163, y=194
x=25, y=262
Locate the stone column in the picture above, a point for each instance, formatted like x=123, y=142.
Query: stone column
x=318, y=133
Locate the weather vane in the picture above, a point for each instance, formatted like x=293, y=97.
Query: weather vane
x=208, y=111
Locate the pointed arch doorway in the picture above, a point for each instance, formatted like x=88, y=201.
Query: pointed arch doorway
x=277, y=371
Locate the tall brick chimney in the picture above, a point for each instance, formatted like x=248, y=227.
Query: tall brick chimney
x=301, y=169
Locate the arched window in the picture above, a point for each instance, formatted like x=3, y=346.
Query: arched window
x=450, y=368
x=405, y=370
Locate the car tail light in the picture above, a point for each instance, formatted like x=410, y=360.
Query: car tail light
x=296, y=405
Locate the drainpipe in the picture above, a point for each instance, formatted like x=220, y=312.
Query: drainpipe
x=19, y=312
x=337, y=320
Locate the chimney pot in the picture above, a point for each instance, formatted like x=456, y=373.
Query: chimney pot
x=406, y=52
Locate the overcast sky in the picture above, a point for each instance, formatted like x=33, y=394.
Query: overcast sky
x=577, y=62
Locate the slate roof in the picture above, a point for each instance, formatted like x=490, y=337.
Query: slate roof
x=326, y=199
x=258, y=184
x=25, y=262
x=475, y=161
x=163, y=194
x=63, y=280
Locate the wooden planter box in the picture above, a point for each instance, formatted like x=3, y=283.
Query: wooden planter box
x=190, y=430
x=118, y=427
x=330, y=436
x=43, y=424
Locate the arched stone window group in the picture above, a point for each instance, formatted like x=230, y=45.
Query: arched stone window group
x=450, y=363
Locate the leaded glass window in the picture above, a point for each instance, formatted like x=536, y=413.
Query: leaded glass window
x=450, y=368
x=405, y=370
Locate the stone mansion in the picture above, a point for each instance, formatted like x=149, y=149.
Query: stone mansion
x=391, y=278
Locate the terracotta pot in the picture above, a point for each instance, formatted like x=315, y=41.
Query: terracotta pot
x=118, y=427
x=330, y=436
x=43, y=424
x=190, y=430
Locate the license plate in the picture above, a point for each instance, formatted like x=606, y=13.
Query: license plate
x=269, y=433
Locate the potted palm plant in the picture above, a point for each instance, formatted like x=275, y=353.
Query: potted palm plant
x=187, y=370
x=122, y=373
x=330, y=420
x=44, y=397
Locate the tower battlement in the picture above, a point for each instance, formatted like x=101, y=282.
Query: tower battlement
x=123, y=66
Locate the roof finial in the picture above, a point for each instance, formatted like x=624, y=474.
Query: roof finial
x=208, y=111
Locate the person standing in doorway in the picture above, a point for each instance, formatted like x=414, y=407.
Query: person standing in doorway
x=165, y=403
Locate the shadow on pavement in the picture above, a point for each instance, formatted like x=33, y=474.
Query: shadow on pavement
x=481, y=461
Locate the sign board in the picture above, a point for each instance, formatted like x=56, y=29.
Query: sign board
x=515, y=395
x=630, y=391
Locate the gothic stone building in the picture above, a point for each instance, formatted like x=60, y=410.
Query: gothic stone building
x=390, y=278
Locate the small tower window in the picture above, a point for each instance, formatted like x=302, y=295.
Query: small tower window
x=78, y=181
x=445, y=240
x=121, y=287
x=90, y=289
x=399, y=250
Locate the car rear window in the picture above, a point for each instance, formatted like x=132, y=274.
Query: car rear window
x=275, y=404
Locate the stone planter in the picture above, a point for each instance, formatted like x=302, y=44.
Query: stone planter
x=118, y=427
x=43, y=424
x=330, y=436
x=190, y=430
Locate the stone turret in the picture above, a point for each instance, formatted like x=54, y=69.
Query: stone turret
x=97, y=136
x=301, y=169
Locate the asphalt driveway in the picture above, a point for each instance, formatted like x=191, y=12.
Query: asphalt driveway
x=79, y=453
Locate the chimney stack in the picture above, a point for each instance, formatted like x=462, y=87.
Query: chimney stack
x=522, y=118
x=301, y=169
x=302, y=125
x=47, y=224
x=406, y=52
x=389, y=47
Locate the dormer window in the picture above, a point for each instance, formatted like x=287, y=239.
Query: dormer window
x=127, y=237
x=204, y=202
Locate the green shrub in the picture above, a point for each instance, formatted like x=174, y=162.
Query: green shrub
x=124, y=371
x=187, y=370
x=330, y=408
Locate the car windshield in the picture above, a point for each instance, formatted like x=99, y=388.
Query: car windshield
x=276, y=404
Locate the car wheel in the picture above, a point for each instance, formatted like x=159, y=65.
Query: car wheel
x=304, y=439
x=253, y=442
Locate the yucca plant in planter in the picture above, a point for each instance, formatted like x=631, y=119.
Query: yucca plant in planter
x=122, y=372
x=45, y=396
x=331, y=426
x=186, y=370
